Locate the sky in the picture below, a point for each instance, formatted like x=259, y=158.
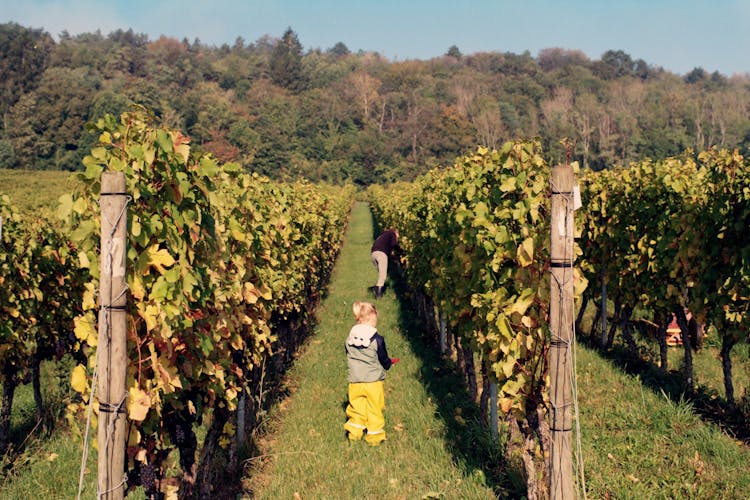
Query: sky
x=677, y=35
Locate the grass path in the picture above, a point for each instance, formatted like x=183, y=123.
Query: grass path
x=637, y=441
x=304, y=453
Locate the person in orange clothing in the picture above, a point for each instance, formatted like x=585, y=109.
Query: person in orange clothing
x=367, y=363
x=674, y=334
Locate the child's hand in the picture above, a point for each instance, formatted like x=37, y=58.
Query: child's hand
x=395, y=360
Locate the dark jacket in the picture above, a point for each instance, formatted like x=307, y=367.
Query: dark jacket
x=385, y=243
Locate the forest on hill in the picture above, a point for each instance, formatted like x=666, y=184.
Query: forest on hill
x=337, y=116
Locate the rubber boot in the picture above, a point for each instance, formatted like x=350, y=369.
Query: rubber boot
x=379, y=291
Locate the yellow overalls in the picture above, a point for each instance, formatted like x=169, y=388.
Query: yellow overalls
x=365, y=412
x=366, y=385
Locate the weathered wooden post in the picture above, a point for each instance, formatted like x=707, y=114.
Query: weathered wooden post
x=112, y=357
x=561, y=330
x=443, y=332
x=604, y=307
x=494, y=417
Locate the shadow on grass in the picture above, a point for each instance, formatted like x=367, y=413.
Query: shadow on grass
x=27, y=430
x=466, y=438
x=704, y=401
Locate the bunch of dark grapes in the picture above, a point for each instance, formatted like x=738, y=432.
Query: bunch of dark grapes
x=179, y=435
x=148, y=479
x=180, y=429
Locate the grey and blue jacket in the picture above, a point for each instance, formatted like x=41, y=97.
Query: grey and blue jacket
x=366, y=355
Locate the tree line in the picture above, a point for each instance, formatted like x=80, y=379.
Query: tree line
x=337, y=116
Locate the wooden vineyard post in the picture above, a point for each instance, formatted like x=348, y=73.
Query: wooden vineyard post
x=494, y=417
x=112, y=356
x=561, y=329
x=604, y=309
x=443, y=333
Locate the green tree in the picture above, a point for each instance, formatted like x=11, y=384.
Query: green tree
x=555, y=58
x=276, y=117
x=339, y=112
x=325, y=70
x=454, y=52
x=487, y=121
x=557, y=112
x=697, y=75
x=7, y=155
x=339, y=50
x=47, y=124
x=286, y=62
x=24, y=55
x=615, y=64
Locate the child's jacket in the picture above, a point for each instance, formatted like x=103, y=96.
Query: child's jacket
x=366, y=354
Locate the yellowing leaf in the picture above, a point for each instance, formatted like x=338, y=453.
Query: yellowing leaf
x=150, y=315
x=134, y=437
x=171, y=491
x=505, y=404
x=52, y=457
x=148, y=155
x=504, y=327
x=84, y=329
x=265, y=292
x=89, y=295
x=139, y=403
x=99, y=153
x=184, y=151
x=523, y=302
x=169, y=376
x=229, y=429
x=236, y=342
x=79, y=205
x=64, y=206
x=507, y=366
x=14, y=313
x=137, y=289
x=78, y=379
x=159, y=258
x=509, y=184
x=525, y=252
x=528, y=322
x=250, y=293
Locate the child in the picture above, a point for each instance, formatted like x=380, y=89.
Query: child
x=367, y=360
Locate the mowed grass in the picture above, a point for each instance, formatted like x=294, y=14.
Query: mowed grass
x=304, y=452
x=30, y=190
x=638, y=443
x=44, y=461
x=707, y=369
x=50, y=470
x=635, y=441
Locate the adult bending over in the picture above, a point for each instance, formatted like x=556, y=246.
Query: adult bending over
x=380, y=253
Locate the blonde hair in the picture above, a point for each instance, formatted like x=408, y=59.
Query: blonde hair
x=365, y=312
